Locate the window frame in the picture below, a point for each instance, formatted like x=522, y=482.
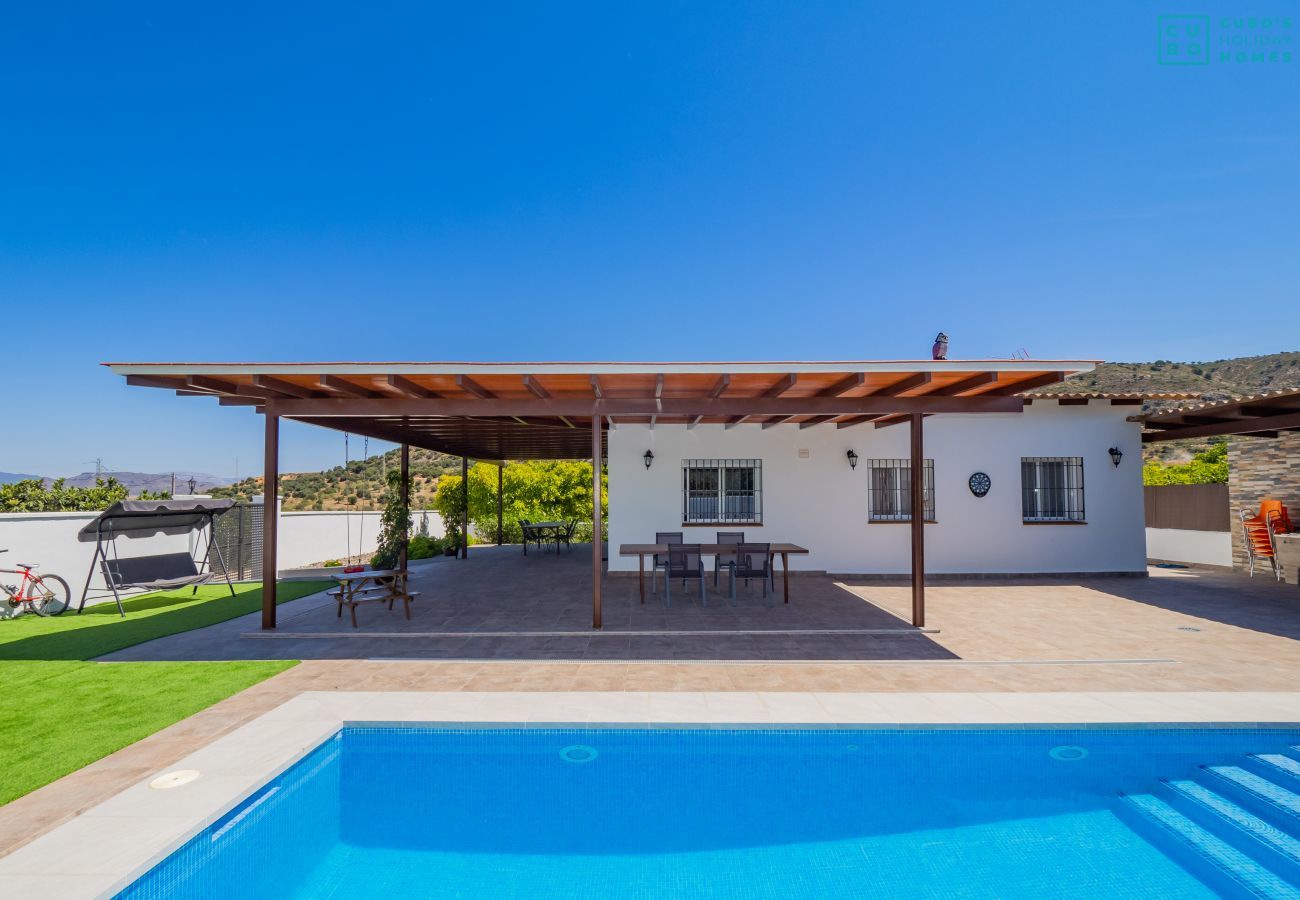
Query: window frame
x=1073, y=501
x=724, y=497
x=929, y=498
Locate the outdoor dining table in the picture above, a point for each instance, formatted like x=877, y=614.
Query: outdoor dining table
x=641, y=551
x=371, y=585
x=554, y=527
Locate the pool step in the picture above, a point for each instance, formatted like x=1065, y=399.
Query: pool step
x=1276, y=848
x=1277, y=767
x=1218, y=863
x=1262, y=796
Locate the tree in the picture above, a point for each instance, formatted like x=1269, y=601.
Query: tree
x=32, y=495
x=538, y=491
x=1207, y=467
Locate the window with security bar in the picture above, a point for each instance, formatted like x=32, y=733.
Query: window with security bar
x=1051, y=488
x=889, y=490
x=722, y=491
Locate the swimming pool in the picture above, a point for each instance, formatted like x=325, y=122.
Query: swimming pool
x=738, y=812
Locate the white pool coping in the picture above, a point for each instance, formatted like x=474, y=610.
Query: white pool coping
x=104, y=849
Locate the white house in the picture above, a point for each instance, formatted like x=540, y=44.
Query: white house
x=1056, y=502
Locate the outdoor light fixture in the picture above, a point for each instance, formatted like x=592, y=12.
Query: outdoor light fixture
x=649, y=458
x=1116, y=455
x=853, y=459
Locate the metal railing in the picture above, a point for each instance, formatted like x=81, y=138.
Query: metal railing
x=1051, y=488
x=722, y=491
x=889, y=490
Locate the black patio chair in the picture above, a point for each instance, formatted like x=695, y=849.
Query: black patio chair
x=752, y=561
x=661, y=559
x=534, y=534
x=684, y=561
x=565, y=535
x=726, y=559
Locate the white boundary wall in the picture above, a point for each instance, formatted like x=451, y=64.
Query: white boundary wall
x=1206, y=548
x=50, y=540
x=821, y=503
x=312, y=537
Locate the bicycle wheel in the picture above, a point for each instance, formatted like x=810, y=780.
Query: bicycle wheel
x=50, y=596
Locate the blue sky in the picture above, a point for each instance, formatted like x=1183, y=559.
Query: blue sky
x=616, y=181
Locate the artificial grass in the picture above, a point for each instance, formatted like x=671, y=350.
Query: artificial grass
x=59, y=711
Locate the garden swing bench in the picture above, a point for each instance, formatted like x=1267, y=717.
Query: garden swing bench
x=160, y=571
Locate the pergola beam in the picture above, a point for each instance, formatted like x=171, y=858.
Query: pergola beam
x=1028, y=384
x=341, y=385
x=815, y=420
x=285, y=388
x=409, y=388
x=844, y=385
x=535, y=387
x=903, y=385
x=722, y=408
x=788, y=381
x=855, y=420
x=470, y=386
x=966, y=385
x=1255, y=426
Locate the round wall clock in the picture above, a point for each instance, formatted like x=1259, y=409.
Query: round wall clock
x=980, y=484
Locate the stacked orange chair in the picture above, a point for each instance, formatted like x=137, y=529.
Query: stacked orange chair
x=1258, y=532
x=1275, y=511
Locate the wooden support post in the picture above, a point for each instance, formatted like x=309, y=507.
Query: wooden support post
x=270, y=517
x=500, y=479
x=595, y=521
x=406, y=503
x=464, y=512
x=918, y=522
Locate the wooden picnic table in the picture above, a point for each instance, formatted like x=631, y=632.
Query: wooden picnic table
x=371, y=586
x=641, y=551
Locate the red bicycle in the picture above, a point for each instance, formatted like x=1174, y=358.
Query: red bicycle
x=45, y=595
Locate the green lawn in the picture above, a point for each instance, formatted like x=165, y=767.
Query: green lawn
x=59, y=712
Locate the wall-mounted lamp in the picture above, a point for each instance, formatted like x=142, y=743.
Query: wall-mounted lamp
x=853, y=459
x=1116, y=455
x=649, y=458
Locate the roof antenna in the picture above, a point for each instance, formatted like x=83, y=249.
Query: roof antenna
x=940, y=348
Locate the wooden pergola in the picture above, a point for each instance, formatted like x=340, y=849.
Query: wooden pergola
x=505, y=411
x=1259, y=415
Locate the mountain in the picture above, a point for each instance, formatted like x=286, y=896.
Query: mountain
x=1214, y=381
x=147, y=481
x=359, y=486
x=11, y=477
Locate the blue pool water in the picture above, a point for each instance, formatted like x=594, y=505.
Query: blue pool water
x=719, y=813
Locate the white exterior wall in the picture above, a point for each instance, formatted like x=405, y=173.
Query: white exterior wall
x=820, y=503
x=1206, y=548
x=312, y=537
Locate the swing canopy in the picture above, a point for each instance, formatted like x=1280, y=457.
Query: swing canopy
x=158, y=571
x=145, y=518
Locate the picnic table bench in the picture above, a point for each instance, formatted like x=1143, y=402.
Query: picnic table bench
x=372, y=586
